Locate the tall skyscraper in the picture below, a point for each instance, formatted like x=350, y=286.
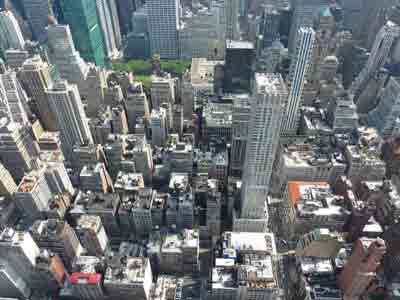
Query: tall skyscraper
x=240, y=124
x=379, y=54
x=125, y=10
x=81, y=15
x=303, y=16
x=35, y=77
x=10, y=33
x=106, y=23
x=63, y=54
x=266, y=117
x=232, y=19
x=67, y=105
x=115, y=22
x=163, y=27
x=299, y=68
x=37, y=12
x=159, y=127
x=14, y=104
x=11, y=285
x=270, y=25
x=18, y=150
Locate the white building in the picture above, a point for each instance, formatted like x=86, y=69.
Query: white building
x=10, y=33
x=63, y=54
x=299, y=68
x=15, y=101
x=379, y=54
x=163, y=19
x=35, y=76
x=67, y=105
x=262, y=143
x=385, y=114
x=92, y=234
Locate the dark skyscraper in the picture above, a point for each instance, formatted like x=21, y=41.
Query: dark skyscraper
x=239, y=66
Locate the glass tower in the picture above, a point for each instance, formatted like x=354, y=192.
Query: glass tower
x=81, y=15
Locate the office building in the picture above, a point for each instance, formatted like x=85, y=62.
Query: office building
x=162, y=91
x=300, y=219
x=239, y=64
x=217, y=121
x=232, y=19
x=271, y=18
x=159, y=127
x=240, y=125
x=92, y=234
x=15, y=58
x=303, y=16
x=19, y=251
x=82, y=16
x=180, y=157
x=262, y=143
x=141, y=211
x=67, y=105
x=108, y=27
x=18, y=150
x=36, y=78
x=33, y=195
x=385, y=114
x=299, y=69
x=163, y=27
x=86, y=280
x=11, y=285
x=96, y=84
x=379, y=54
x=180, y=253
x=64, y=56
x=59, y=237
x=15, y=103
x=125, y=10
x=136, y=104
x=7, y=183
x=84, y=155
x=11, y=35
x=37, y=14
x=95, y=178
x=342, y=113
x=136, y=280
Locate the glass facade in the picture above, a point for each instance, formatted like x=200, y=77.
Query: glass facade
x=81, y=15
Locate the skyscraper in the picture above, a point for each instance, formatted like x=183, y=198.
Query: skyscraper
x=303, y=16
x=63, y=54
x=18, y=150
x=10, y=32
x=270, y=25
x=82, y=16
x=379, y=54
x=125, y=10
x=106, y=23
x=299, y=68
x=35, y=77
x=163, y=27
x=266, y=117
x=158, y=127
x=7, y=183
x=66, y=103
x=15, y=101
x=37, y=12
x=232, y=19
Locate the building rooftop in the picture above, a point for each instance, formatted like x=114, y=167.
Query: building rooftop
x=165, y=288
x=224, y=278
x=230, y=44
x=316, y=198
x=257, y=271
x=250, y=242
x=88, y=222
x=218, y=114
x=126, y=270
x=314, y=265
x=179, y=181
x=129, y=181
